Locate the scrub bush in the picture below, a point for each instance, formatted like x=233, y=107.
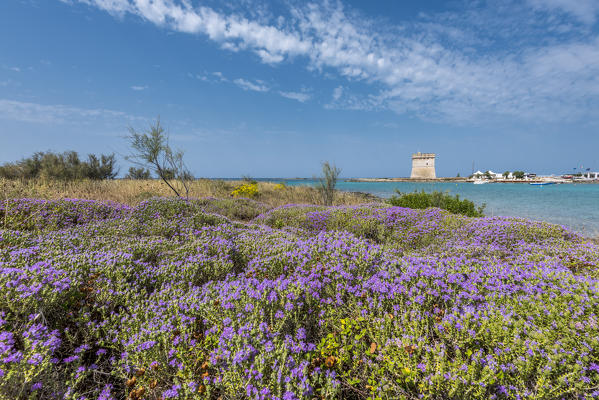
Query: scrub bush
x=444, y=201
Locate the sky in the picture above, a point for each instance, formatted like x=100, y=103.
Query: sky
x=275, y=88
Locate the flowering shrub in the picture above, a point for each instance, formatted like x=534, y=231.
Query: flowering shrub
x=171, y=300
x=29, y=214
x=246, y=190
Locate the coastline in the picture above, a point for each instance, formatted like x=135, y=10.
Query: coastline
x=405, y=180
x=456, y=179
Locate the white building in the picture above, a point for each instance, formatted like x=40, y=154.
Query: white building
x=494, y=175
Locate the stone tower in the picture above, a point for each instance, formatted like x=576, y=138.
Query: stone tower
x=423, y=166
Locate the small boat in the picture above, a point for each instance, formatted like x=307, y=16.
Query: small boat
x=541, y=183
x=479, y=181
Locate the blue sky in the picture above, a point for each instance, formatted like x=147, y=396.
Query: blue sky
x=275, y=88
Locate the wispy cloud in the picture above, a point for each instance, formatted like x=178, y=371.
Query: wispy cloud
x=302, y=97
x=234, y=32
x=11, y=68
x=337, y=93
x=345, y=99
x=199, y=76
x=139, y=88
x=58, y=113
x=449, y=66
x=388, y=125
x=257, y=86
x=220, y=76
x=584, y=10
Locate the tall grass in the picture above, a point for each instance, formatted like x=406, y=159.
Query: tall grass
x=132, y=192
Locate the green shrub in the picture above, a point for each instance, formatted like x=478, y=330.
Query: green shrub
x=444, y=201
x=138, y=173
x=62, y=166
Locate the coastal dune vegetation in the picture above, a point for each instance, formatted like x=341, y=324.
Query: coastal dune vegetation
x=237, y=298
x=133, y=191
x=111, y=289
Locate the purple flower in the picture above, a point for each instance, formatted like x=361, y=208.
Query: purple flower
x=146, y=345
x=172, y=392
x=106, y=393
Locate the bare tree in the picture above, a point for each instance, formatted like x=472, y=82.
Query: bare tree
x=150, y=149
x=327, y=182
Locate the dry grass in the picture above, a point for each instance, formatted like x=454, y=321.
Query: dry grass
x=134, y=191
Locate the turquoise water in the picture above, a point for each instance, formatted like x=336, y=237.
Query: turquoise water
x=573, y=205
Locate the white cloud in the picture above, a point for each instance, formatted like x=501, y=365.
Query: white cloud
x=220, y=76
x=441, y=68
x=584, y=10
x=302, y=97
x=58, y=113
x=115, y=7
x=388, y=125
x=271, y=44
x=259, y=86
x=11, y=68
x=139, y=88
x=337, y=92
x=256, y=85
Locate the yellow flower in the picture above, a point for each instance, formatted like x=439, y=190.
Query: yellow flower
x=246, y=190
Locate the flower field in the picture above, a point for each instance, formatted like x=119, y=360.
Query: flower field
x=231, y=299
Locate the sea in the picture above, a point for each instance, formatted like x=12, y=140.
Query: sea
x=574, y=205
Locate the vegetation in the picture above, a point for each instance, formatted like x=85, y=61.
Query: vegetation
x=248, y=179
x=152, y=150
x=132, y=192
x=444, y=201
x=138, y=173
x=246, y=190
x=61, y=166
x=327, y=182
x=518, y=174
x=226, y=298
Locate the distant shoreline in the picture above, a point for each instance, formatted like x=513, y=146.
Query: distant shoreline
x=466, y=180
x=405, y=180
x=555, y=180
